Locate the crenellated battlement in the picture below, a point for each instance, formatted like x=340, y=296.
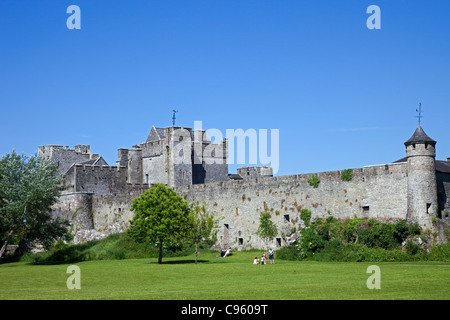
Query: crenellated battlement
x=367, y=173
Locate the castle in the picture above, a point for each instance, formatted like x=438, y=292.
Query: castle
x=97, y=196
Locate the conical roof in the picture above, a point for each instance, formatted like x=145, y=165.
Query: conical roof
x=419, y=136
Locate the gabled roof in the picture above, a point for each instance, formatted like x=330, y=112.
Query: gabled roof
x=156, y=134
x=419, y=136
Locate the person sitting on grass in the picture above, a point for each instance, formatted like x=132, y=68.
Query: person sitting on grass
x=228, y=253
x=256, y=261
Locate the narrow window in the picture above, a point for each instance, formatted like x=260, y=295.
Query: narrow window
x=365, y=208
x=428, y=208
x=241, y=241
x=286, y=218
x=146, y=178
x=278, y=242
x=236, y=211
x=227, y=226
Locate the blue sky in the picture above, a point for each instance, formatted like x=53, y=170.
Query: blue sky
x=341, y=95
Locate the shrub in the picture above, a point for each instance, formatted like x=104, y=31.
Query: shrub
x=347, y=175
x=314, y=181
x=440, y=252
x=414, y=229
x=412, y=248
x=379, y=235
x=358, y=240
x=305, y=215
x=351, y=229
x=310, y=242
x=290, y=253
x=401, y=231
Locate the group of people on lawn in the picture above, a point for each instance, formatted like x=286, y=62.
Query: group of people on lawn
x=264, y=258
x=227, y=252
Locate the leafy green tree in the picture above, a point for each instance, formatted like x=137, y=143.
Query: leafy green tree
x=204, y=223
x=28, y=188
x=267, y=229
x=161, y=217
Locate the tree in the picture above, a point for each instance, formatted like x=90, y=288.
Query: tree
x=267, y=229
x=203, y=225
x=161, y=217
x=28, y=188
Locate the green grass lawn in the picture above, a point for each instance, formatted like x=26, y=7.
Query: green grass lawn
x=215, y=278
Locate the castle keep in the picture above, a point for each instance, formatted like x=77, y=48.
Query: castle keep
x=98, y=196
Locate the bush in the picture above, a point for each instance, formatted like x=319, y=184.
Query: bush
x=347, y=175
x=379, y=235
x=305, y=215
x=314, y=181
x=440, y=252
x=353, y=252
x=360, y=240
x=290, y=253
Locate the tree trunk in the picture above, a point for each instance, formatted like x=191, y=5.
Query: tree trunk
x=160, y=253
x=196, y=252
x=3, y=249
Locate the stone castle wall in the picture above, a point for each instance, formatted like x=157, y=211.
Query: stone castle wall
x=375, y=192
x=378, y=192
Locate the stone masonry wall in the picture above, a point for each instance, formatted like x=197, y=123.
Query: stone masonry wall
x=376, y=192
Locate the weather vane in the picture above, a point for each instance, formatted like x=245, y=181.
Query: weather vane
x=420, y=112
x=173, y=118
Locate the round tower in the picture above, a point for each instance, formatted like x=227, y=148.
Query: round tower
x=422, y=185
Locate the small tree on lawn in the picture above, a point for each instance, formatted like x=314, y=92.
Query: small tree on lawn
x=267, y=229
x=28, y=188
x=204, y=223
x=161, y=217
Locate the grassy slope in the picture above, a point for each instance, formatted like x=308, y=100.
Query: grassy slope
x=224, y=278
